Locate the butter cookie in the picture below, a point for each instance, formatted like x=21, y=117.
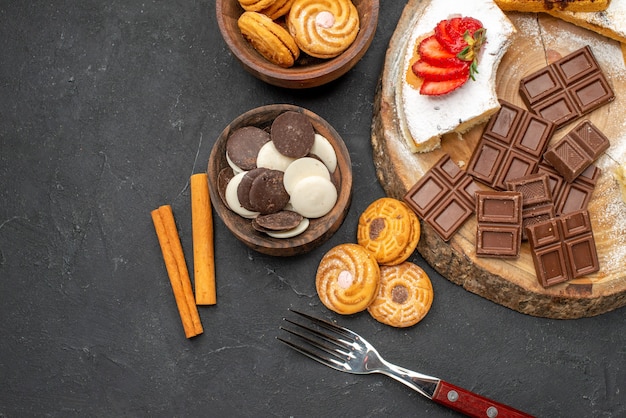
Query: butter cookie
x=347, y=279
x=390, y=230
x=323, y=28
x=404, y=297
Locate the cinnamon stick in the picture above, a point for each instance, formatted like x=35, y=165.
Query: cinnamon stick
x=202, y=232
x=173, y=256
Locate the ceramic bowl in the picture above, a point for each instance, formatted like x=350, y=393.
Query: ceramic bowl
x=308, y=71
x=319, y=229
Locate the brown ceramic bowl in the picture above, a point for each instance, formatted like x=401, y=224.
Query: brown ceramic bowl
x=320, y=229
x=308, y=71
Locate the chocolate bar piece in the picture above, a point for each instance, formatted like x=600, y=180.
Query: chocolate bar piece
x=499, y=216
x=510, y=147
x=574, y=196
x=563, y=248
x=443, y=197
x=537, y=205
x=577, y=150
x=567, y=89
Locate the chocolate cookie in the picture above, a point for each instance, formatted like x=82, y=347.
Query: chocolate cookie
x=244, y=144
x=267, y=193
x=224, y=176
x=292, y=134
x=280, y=221
x=243, y=190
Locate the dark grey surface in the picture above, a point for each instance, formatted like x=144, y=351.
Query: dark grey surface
x=107, y=108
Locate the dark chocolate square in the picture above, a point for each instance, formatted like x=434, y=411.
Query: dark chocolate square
x=558, y=109
x=591, y=93
x=515, y=166
x=449, y=217
x=535, y=189
x=499, y=223
x=550, y=265
x=486, y=161
x=443, y=197
x=576, y=65
x=567, y=89
x=540, y=85
x=563, y=248
x=510, y=147
x=568, y=158
x=574, y=196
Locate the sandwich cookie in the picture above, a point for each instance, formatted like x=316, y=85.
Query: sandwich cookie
x=270, y=39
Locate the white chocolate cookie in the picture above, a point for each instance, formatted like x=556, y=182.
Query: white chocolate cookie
x=303, y=168
x=269, y=157
x=233, y=201
x=324, y=150
x=313, y=197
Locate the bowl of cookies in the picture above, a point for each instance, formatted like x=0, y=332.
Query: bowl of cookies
x=280, y=178
x=297, y=44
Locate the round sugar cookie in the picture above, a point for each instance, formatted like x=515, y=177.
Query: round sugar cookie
x=347, y=279
x=323, y=29
x=389, y=229
x=404, y=297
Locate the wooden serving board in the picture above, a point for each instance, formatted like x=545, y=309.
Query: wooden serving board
x=540, y=40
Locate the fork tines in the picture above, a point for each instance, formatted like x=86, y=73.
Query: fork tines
x=320, y=340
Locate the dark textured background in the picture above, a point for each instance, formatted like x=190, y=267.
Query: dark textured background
x=106, y=109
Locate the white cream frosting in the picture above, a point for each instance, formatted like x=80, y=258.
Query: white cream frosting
x=427, y=118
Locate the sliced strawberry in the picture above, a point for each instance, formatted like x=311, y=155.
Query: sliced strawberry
x=438, y=88
x=456, y=29
x=431, y=51
x=459, y=25
x=428, y=71
x=442, y=35
x=449, y=58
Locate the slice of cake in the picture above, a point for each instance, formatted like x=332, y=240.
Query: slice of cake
x=425, y=118
x=550, y=5
x=610, y=22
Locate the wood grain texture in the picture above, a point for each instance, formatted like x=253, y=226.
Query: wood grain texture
x=540, y=40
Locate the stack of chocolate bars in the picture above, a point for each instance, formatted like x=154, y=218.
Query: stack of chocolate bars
x=536, y=193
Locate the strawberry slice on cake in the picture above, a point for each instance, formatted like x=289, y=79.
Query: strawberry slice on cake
x=450, y=62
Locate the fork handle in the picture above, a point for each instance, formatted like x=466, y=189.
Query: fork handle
x=471, y=404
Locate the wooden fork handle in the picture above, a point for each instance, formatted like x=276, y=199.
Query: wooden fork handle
x=471, y=404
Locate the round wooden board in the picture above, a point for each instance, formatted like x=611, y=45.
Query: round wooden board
x=540, y=40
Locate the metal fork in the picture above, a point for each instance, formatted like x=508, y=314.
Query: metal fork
x=344, y=350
